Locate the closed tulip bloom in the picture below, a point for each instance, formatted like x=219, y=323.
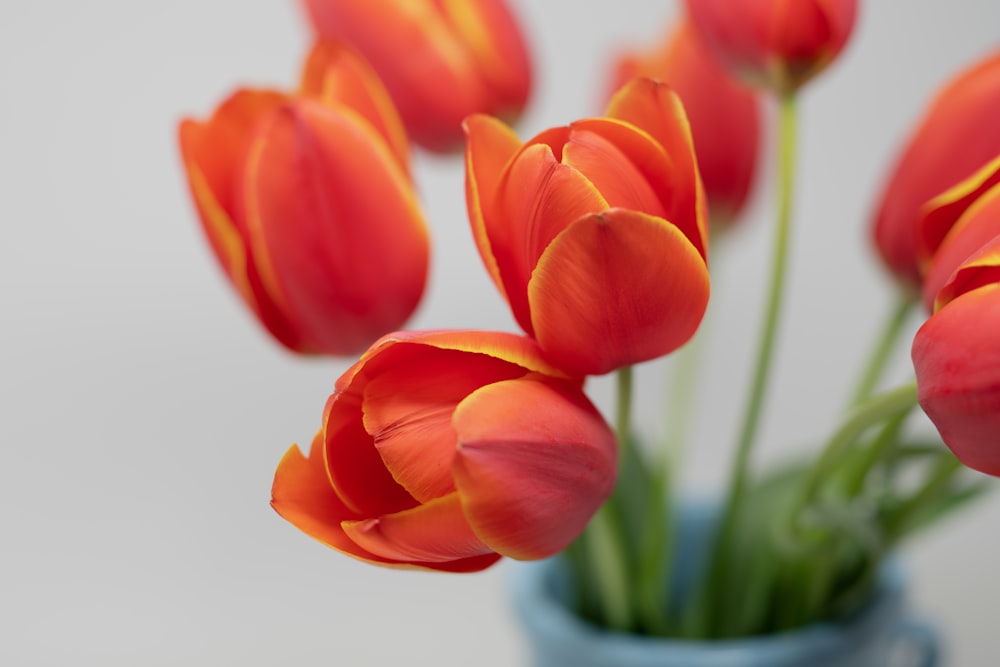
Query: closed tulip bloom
x=306, y=202
x=724, y=116
x=956, y=225
x=447, y=450
x=775, y=43
x=957, y=135
x=595, y=233
x=956, y=356
x=439, y=60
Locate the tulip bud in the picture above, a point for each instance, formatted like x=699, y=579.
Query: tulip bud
x=306, y=202
x=957, y=135
x=595, y=233
x=724, y=116
x=445, y=450
x=775, y=43
x=440, y=61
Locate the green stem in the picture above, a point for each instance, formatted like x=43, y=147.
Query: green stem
x=875, y=410
x=876, y=452
x=680, y=407
x=741, y=463
x=762, y=372
x=605, y=539
x=938, y=480
x=883, y=348
x=605, y=542
x=623, y=416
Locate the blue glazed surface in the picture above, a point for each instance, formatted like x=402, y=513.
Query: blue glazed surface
x=880, y=634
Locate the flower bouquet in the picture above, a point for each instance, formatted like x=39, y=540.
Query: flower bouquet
x=450, y=449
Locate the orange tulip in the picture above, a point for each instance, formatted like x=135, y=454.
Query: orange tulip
x=306, y=201
x=775, y=43
x=595, y=233
x=445, y=450
x=957, y=135
x=440, y=60
x=956, y=356
x=724, y=115
x=957, y=224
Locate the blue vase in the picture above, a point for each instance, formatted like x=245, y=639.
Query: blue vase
x=880, y=634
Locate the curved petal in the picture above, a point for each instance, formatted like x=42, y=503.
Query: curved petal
x=219, y=146
x=956, y=356
x=408, y=407
x=489, y=147
x=435, y=532
x=611, y=171
x=537, y=198
x=302, y=495
x=312, y=176
x=654, y=108
x=215, y=154
x=223, y=235
x=979, y=269
x=617, y=288
x=509, y=347
x=338, y=76
x=535, y=461
x=939, y=217
x=974, y=229
x=354, y=467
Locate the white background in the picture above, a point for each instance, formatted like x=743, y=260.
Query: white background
x=142, y=411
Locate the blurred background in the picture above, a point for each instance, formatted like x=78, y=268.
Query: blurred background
x=144, y=411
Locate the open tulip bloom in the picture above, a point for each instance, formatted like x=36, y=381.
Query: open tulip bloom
x=448, y=450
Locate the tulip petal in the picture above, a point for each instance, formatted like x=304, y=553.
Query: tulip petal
x=655, y=108
x=534, y=463
x=338, y=76
x=537, y=199
x=940, y=215
x=302, y=494
x=435, y=532
x=978, y=224
x=979, y=269
x=214, y=155
x=956, y=356
x=408, y=413
x=611, y=171
x=354, y=467
x=313, y=176
x=490, y=144
x=509, y=347
x=617, y=288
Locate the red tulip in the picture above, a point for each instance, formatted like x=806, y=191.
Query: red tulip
x=775, y=43
x=957, y=224
x=446, y=450
x=956, y=356
x=440, y=61
x=306, y=202
x=595, y=233
x=957, y=135
x=724, y=115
